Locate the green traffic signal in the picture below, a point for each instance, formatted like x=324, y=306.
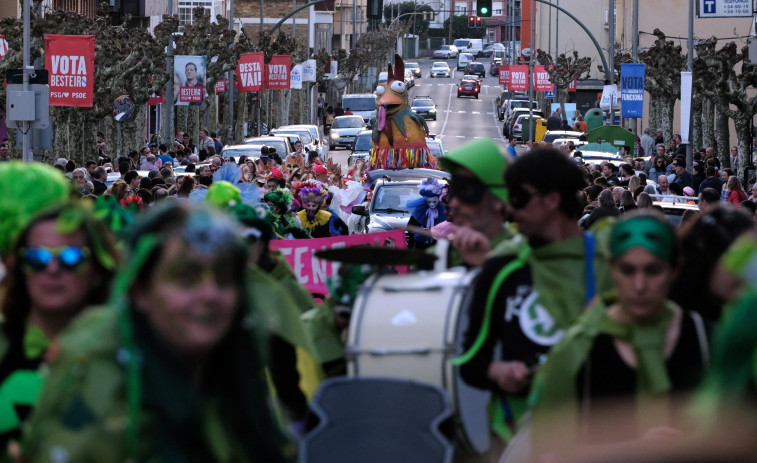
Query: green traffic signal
x=484, y=8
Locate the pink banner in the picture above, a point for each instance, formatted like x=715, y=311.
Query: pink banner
x=250, y=71
x=518, y=78
x=573, y=85
x=277, y=72
x=504, y=74
x=541, y=80
x=70, y=60
x=311, y=271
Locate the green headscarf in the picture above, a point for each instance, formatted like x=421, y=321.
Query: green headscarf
x=643, y=231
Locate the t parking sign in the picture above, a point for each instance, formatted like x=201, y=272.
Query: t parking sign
x=724, y=8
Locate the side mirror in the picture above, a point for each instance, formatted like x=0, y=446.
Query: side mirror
x=360, y=210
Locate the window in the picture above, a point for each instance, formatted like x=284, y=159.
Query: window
x=186, y=7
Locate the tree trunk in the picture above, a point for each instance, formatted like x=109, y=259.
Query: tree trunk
x=743, y=125
x=696, y=125
x=667, y=107
x=654, y=115
x=182, y=119
x=241, y=117
x=723, y=132
x=708, y=123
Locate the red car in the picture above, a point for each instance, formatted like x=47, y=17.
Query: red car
x=468, y=88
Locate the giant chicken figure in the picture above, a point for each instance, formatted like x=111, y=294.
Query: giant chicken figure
x=399, y=134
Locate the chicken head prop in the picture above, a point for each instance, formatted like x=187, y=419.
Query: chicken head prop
x=399, y=134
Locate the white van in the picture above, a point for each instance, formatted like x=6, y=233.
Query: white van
x=361, y=104
x=461, y=44
x=463, y=59
x=476, y=47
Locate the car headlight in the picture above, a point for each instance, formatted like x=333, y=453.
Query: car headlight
x=334, y=135
x=432, y=111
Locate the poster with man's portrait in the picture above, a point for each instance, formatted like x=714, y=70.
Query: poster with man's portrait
x=189, y=80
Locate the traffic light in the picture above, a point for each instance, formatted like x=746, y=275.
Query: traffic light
x=484, y=8
x=375, y=9
x=479, y=22
x=471, y=21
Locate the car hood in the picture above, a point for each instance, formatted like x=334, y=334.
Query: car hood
x=348, y=130
x=389, y=221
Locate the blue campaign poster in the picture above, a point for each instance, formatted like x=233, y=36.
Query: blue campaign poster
x=632, y=89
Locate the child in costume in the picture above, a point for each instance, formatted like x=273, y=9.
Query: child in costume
x=426, y=212
x=312, y=217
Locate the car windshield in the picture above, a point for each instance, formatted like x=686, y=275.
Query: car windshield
x=251, y=151
x=461, y=43
x=281, y=147
x=348, y=122
x=524, y=104
x=364, y=142
x=445, y=47
x=422, y=103
x=440, y=65
x=435, y=147
x=359, y=104
x=303, y=134
x=412, y=66
x=394, y=198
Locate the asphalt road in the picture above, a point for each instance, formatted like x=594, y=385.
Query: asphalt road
x=459, y=120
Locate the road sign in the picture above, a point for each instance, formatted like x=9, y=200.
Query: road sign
x=724, y=8
x=549, y=95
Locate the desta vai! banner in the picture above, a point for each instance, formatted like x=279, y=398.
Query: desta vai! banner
x=277, y=72
x=70, y=60
x=250, y=72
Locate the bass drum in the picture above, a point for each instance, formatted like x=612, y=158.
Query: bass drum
x=410, y=326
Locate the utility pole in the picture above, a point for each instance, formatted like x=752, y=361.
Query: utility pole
x=690, y=66
x=354, y=24
x=260, y=93
x=451, y=18
x=230, y=90
x=635, y=53
x=168, y=131
x=531, y=74
x=611, y=54
x=26, y=140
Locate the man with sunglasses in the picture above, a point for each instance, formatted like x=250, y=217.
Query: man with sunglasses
x=477, y=197
x=525, y=299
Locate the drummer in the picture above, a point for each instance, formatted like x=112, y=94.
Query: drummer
x=525, y=298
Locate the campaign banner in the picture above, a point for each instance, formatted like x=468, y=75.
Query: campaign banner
x=541, y=80
x=221, y=87
x=504, y=74
x=685, y=106
x=311, y=271
x=518, y=78
x=189, y=80
x=156, y=99
x=3, y=46
x=295, y=77
x=250, y=72
x=632, y=89
x=573, y=86
x=70, y=61
x=309, y=73
x=277, y=72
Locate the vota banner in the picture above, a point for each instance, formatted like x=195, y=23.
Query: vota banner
x=518, y=78
x=541, y=80
x=504, y=74
x=312, y=272
x=250, y=72
x=70, y=61
x=277, y=72
x=632, y=89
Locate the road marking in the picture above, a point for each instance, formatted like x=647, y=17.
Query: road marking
x=446, y=116
x=461, y=136
x=475, y=112
x=461, y=112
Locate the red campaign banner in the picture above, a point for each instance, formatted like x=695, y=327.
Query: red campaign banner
x=70, y=60
x=220, y=86
x=518, y=78
x=541, y=80
x=277, y=72
x=504, y=74
x=311, y=271
x=573, y=85
x=250, y=72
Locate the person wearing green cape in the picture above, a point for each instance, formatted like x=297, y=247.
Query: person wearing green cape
x=527, y=297
x=610, y=382
x=172, y=369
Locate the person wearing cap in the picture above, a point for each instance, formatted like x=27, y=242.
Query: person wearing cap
x=321, y=173
x=633, y=343
x=683, y=177
x=526, y=299
x=275, y=179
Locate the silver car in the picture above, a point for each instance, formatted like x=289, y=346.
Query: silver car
x=440, y=69
x=344, y=130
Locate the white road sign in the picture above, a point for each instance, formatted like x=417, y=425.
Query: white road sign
x=724, y=8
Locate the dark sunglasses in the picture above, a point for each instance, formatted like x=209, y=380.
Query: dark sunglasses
x=519, y=197
x=38, y=258
x=466, y=189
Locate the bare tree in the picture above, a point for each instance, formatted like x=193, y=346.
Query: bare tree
x=563, y=71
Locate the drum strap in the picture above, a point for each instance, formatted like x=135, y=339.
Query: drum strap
x=589, y=245
x=499, y=280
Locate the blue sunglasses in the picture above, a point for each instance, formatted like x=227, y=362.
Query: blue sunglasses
x=38, y=258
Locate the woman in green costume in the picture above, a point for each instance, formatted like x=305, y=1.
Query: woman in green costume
x=171, y=370
x=610, y=381
x=62, y=262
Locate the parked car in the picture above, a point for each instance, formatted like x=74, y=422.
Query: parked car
x=476, y=68
x=361, y=149
x=315, y=136
x=424, y=106
x=415, y=67
x=436, y=147
x=234, y=152
x=553, y=135
x=494, y=47
x=446, y=51
x=283, y=148
x=468, y=88
x=344, y=130
x=440, y=69
x=517, y=128
x=507, y=127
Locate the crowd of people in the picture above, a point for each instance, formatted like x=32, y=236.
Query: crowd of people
x=150, y=319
